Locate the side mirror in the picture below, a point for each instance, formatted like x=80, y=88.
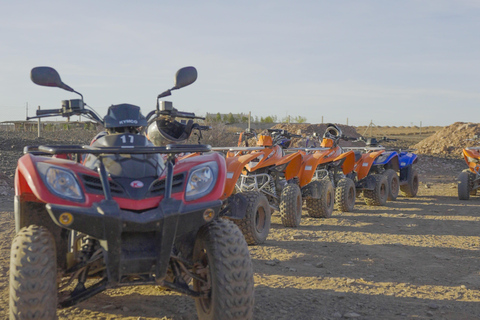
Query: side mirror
x=185, y=77
x=49, y=77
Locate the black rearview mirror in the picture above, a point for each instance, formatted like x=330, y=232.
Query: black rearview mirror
x=185, y=77
x=49, y=77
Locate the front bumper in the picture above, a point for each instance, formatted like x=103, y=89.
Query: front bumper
x=134, y=243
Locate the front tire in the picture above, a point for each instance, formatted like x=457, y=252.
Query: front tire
x=222, y=259
x=410, y=189
x=256, y=224
x=345, y=195
x=378, y=196
x=33, y=275
x=291, y=206
x=322, y=207
x=393, y=184
x=463, y=186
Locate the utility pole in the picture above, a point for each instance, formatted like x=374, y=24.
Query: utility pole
x=39, y=126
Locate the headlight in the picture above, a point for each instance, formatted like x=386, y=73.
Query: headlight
x=255, y=161
x=201, y=180
x=470, y=159
x=381, y=158
x=281, y=167
x=338, y=163
x=60, y=181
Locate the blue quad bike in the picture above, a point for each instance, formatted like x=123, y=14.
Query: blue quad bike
x=397, y=166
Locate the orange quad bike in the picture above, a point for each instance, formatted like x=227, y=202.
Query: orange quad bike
x=324, y=175
x=250, y=210
x=469, y=179
x=374, y=168
x=269, y=171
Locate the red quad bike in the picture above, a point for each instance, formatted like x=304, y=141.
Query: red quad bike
x=325, y=175
x=123, y=216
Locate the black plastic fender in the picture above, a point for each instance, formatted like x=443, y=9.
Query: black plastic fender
x=235, y=207
x=367, y=183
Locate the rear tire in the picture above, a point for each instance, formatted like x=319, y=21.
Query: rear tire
x=291, y=206
x=378, y=196
x=33, y=275
x=222, y=259
x=410, y=189
x=393, y=184
x=256, y=224
x=345, y=195
x=463, y=186
x=322, y=207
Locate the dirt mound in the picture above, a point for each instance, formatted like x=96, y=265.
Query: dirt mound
x=450, y=140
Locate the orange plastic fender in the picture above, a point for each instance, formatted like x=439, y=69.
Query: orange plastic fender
x=309, y=165
x=313, y=160
x=294, y=161
x=270, y=158
x=472, y=157
x=235, y=165
x=364, y=164
x=349, y=162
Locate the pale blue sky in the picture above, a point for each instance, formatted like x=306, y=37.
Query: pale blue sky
x=393, y=62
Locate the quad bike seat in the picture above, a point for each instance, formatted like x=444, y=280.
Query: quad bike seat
x=264, y=141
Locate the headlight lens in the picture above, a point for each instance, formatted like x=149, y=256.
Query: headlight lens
x=61, y=182
x=255, y=161
x=474, y=160
x=201, y=180
x=281, y=167
x=381, y=158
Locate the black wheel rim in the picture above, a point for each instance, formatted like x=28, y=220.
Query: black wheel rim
x=260, y=220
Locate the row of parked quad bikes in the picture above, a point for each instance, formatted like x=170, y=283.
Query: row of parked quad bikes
x=135, y=207
x=322, y=176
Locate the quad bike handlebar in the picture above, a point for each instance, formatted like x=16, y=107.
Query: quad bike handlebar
x=284, y=133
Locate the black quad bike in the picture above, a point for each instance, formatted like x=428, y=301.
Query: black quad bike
x=124, y=212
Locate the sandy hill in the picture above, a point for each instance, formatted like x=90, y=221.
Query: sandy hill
x=450, y=140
